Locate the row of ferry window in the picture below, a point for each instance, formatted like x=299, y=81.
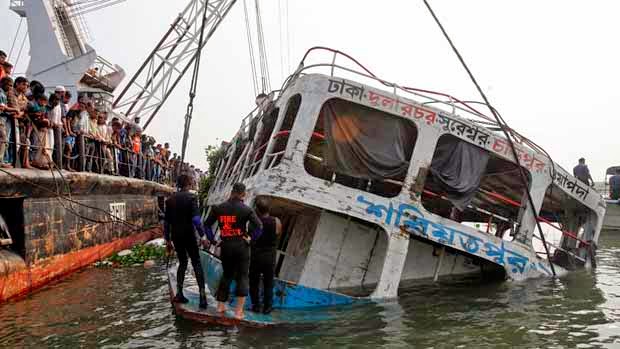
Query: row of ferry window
x=351, y=144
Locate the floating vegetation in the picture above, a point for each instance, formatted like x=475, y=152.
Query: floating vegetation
x=137, y=256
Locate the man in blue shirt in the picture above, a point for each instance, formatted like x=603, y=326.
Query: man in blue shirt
x=582, y=172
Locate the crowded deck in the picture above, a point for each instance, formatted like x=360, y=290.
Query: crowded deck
x=59, y=131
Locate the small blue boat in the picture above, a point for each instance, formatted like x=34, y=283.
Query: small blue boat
x=293, y=304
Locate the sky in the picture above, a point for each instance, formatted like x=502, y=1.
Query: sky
x=550, y=67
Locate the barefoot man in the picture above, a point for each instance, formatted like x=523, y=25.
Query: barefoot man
x=232, y=217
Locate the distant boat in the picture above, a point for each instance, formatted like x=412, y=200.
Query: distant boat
x=612, y=215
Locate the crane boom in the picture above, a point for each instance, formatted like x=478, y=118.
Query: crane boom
x=175, y=53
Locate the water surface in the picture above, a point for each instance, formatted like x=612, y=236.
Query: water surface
x=129, y=308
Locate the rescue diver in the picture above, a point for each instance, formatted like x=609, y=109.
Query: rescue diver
x=181, y=217
x=263, y=258
x=232, y=217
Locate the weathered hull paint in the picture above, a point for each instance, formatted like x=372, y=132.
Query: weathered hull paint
x=286, y=295
x=24, y=281
x=279, y=316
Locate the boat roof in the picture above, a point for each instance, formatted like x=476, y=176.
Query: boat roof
x=612, y=170
x=354, y=75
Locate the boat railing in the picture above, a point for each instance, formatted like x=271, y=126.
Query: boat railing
x=443, y=101
x=103, y=74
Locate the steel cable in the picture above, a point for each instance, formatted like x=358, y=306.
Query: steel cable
x=502, y=125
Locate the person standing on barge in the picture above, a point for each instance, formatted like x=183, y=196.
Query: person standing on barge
x=232, y=217
x=181, y=217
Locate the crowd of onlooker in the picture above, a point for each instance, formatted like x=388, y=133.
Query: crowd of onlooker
x=56, y=131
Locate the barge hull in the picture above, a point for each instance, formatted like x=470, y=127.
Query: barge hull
x=27, y=279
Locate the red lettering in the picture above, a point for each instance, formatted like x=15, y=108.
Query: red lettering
x=226, y=223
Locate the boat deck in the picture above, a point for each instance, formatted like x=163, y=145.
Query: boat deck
x=279, y=316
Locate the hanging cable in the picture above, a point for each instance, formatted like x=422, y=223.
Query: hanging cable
x=19, y=27
x=19, y=55
x=504, y=127
x=264, y=66
x=288, y=38
x=194, y=85
x=281, y=30
x=251, y=49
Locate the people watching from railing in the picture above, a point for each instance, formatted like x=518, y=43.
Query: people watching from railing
x=54, y=114
x=20, y=88
x=50, y=133
x=40, y=123
x=2, y=61
x=6, y=69
x=8, y=111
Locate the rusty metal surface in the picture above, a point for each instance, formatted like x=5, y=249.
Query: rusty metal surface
x=27, y=279
x=53, y=229
x=80, y=183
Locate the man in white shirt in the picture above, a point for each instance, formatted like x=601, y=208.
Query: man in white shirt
x=105, y=137
x=55, y=118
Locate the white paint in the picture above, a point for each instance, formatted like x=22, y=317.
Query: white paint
x=118, y=211
x=340, y=248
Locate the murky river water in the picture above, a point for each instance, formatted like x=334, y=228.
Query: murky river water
x=129, y=308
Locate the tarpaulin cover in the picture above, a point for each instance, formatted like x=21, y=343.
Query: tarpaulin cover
x=366, y=143
x=458, y=167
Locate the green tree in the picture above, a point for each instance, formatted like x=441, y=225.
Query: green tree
x=214, y=155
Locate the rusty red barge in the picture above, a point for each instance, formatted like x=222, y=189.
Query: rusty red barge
x=53, y=234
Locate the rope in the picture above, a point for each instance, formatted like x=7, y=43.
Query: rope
x=502, y=124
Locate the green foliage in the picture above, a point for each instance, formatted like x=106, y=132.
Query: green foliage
x=214, y=155
x=139, y=254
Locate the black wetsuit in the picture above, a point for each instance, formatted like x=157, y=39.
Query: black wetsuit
x=180, y=209
x=263, y=262
x=232, y=217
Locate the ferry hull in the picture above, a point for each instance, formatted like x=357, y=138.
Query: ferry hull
x=25, y=280
x=612, y=215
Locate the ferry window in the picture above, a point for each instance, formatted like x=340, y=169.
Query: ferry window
x=567, y=223
x=361, y=148
x=281, y=138
x=261, y=140
x=471, y=185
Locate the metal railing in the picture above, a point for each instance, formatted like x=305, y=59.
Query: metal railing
x=443, y=101
x=80, y=153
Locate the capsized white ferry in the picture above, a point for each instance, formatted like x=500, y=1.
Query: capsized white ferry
x=377, y=184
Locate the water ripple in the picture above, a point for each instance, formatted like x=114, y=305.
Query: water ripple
x=129, y=308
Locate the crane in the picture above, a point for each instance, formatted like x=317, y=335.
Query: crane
x=173, y=56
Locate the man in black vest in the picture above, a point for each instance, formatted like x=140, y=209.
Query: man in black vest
x=232, y=217
x=264, y=258
x=181, y=217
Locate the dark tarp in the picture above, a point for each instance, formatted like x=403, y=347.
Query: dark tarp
x=366, y=143
x=458, y=167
